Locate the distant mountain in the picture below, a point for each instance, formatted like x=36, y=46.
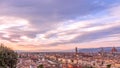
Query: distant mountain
x=93, y=50
x=84, y=50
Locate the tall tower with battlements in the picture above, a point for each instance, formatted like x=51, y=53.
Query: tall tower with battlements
x=76, y=50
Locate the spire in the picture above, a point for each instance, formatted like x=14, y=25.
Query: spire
x=102, y=51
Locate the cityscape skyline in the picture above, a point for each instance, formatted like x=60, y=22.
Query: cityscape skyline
x=59, y=25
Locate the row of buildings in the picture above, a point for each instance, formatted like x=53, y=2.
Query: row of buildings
x=100, y=59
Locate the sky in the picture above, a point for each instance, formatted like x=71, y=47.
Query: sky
x=59, y=25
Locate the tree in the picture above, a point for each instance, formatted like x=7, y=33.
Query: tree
x=40, y=66
x=8, y=58
x=109, y=66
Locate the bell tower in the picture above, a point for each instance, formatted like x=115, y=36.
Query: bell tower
x=76, y=50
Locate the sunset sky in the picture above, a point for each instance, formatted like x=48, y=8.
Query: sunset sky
x=59, y=25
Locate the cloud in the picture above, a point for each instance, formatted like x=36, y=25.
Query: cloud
x=114, y=11
x=56, y=23
x=8, y=22
x=50, y=11
x=96, y=35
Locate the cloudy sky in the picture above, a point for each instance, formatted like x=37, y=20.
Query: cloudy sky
x=58, y=25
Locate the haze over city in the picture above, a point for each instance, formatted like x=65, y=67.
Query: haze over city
x=59, y=25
